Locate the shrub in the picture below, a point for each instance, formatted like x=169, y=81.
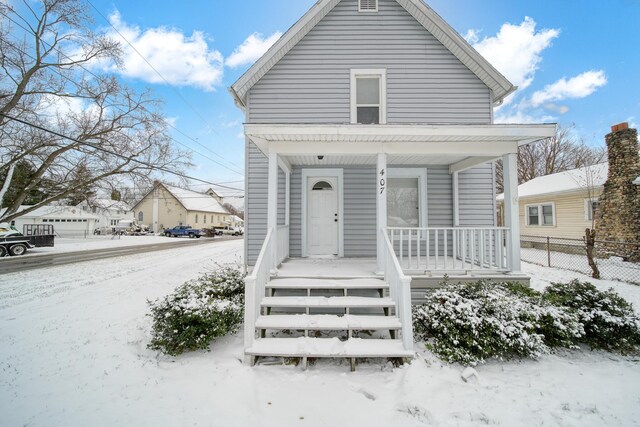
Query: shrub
x=469, y=323
x=198, y=312
x=609, y=321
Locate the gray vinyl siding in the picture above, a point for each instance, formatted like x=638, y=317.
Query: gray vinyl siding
x=477, y=199
x=311, y=84
x=256, y=202
x=425, y=82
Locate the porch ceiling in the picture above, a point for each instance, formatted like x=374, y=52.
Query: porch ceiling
x=370, y=160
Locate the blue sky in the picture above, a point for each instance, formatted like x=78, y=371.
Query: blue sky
x=576, y=60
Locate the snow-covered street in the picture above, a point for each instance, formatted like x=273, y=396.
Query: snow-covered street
x=73, y=353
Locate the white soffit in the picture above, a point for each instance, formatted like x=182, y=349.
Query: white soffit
x=427, y=17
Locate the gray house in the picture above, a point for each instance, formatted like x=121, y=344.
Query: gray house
x=369, y=155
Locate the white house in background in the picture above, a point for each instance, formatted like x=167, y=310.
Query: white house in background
x=561, y=204
x=370, y=145
x=167, y=206
x=109, y=211
x=236, y=221
x=67, y=221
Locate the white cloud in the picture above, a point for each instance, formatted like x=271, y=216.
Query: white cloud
x=521, y=117
x=576, y=87
x=516, y=50
x=472, y=36
x=182, y=60
x=560, y=109
x=251, y=49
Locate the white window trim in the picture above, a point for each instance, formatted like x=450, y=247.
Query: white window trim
x=421, y=174
x=587, y=208
x=314, y=173
x=382, y=75
x=540, y=215
x=368, y=10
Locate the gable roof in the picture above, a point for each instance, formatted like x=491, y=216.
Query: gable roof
x=190, y=200
x=194, y=201
x=427, y=17
x=564, y=182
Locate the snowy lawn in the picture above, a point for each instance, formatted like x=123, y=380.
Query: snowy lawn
x=102, y=242
x=73, y=353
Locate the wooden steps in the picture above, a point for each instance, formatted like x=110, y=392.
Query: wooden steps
x=334, y=309
x=305, y=322
x=326, y=302
x=328, y=347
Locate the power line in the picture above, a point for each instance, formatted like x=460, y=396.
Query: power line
x=239, y=172
x=97, y=147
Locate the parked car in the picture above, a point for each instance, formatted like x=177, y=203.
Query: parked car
x=131, y=227
x=183, y=231
x=230, y=231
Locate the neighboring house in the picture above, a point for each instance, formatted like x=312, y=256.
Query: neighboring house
x=369, y=135
x=67, y=221
x=166, y=206
x=236, y=221
x=110, y=212
x=560, y=205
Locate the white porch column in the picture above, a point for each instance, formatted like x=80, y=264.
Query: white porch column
x=381, y=206
x=272, y=205
x=512, y=209
x=456, y=199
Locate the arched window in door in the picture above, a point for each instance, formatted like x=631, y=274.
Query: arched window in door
x=322, y=186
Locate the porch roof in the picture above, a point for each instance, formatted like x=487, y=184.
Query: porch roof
x=460, y=145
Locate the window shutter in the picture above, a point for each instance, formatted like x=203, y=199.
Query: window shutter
x=368, y=5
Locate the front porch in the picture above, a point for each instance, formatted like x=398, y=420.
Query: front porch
x=382, y=208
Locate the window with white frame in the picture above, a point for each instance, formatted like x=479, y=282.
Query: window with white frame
x=367, y=5
x=590, y=209
x=140, y=216
x=541, y=215
x=406, y=202
x=368, y=96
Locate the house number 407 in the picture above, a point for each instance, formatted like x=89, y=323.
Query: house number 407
x=383, y=182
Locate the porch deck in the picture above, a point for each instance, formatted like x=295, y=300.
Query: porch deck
x=361, y=268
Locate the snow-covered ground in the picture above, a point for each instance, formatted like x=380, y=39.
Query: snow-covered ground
x=102, y=242
x=73, y=353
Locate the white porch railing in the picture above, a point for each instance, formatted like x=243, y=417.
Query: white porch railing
x=399, y=290
x=255, y=286
x=283, y=244
x=451, y=249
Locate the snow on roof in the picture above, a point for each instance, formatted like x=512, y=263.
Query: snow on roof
x=56, y=211
x=194, y=201
x=573, y=180
x=236, y=218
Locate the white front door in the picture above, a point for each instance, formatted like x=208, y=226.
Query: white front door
x=322, y=211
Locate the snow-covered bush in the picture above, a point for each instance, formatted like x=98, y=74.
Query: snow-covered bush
x=609, y=321
x=198, y=312
x=469, y=323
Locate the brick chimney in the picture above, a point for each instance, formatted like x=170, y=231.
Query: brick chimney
x=619, y=210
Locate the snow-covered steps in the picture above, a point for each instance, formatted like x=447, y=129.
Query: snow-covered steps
x=328, y=347
x=324, y=302
x=327, y=284
x=304, y=322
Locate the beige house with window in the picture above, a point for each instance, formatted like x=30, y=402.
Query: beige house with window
x=561, y=204
x=166, y=206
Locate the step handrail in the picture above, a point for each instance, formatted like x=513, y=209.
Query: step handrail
x=255, y=287
x=399, y=290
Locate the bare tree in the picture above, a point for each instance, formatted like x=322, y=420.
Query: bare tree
x=559, y=153
x=113, y=134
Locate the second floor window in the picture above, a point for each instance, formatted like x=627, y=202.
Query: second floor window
x=368, y=96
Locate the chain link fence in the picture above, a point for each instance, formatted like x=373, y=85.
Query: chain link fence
x=614, y=259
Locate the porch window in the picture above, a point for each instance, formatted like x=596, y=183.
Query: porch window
x=406, y=204
x=541, y=215
x=368, y=97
